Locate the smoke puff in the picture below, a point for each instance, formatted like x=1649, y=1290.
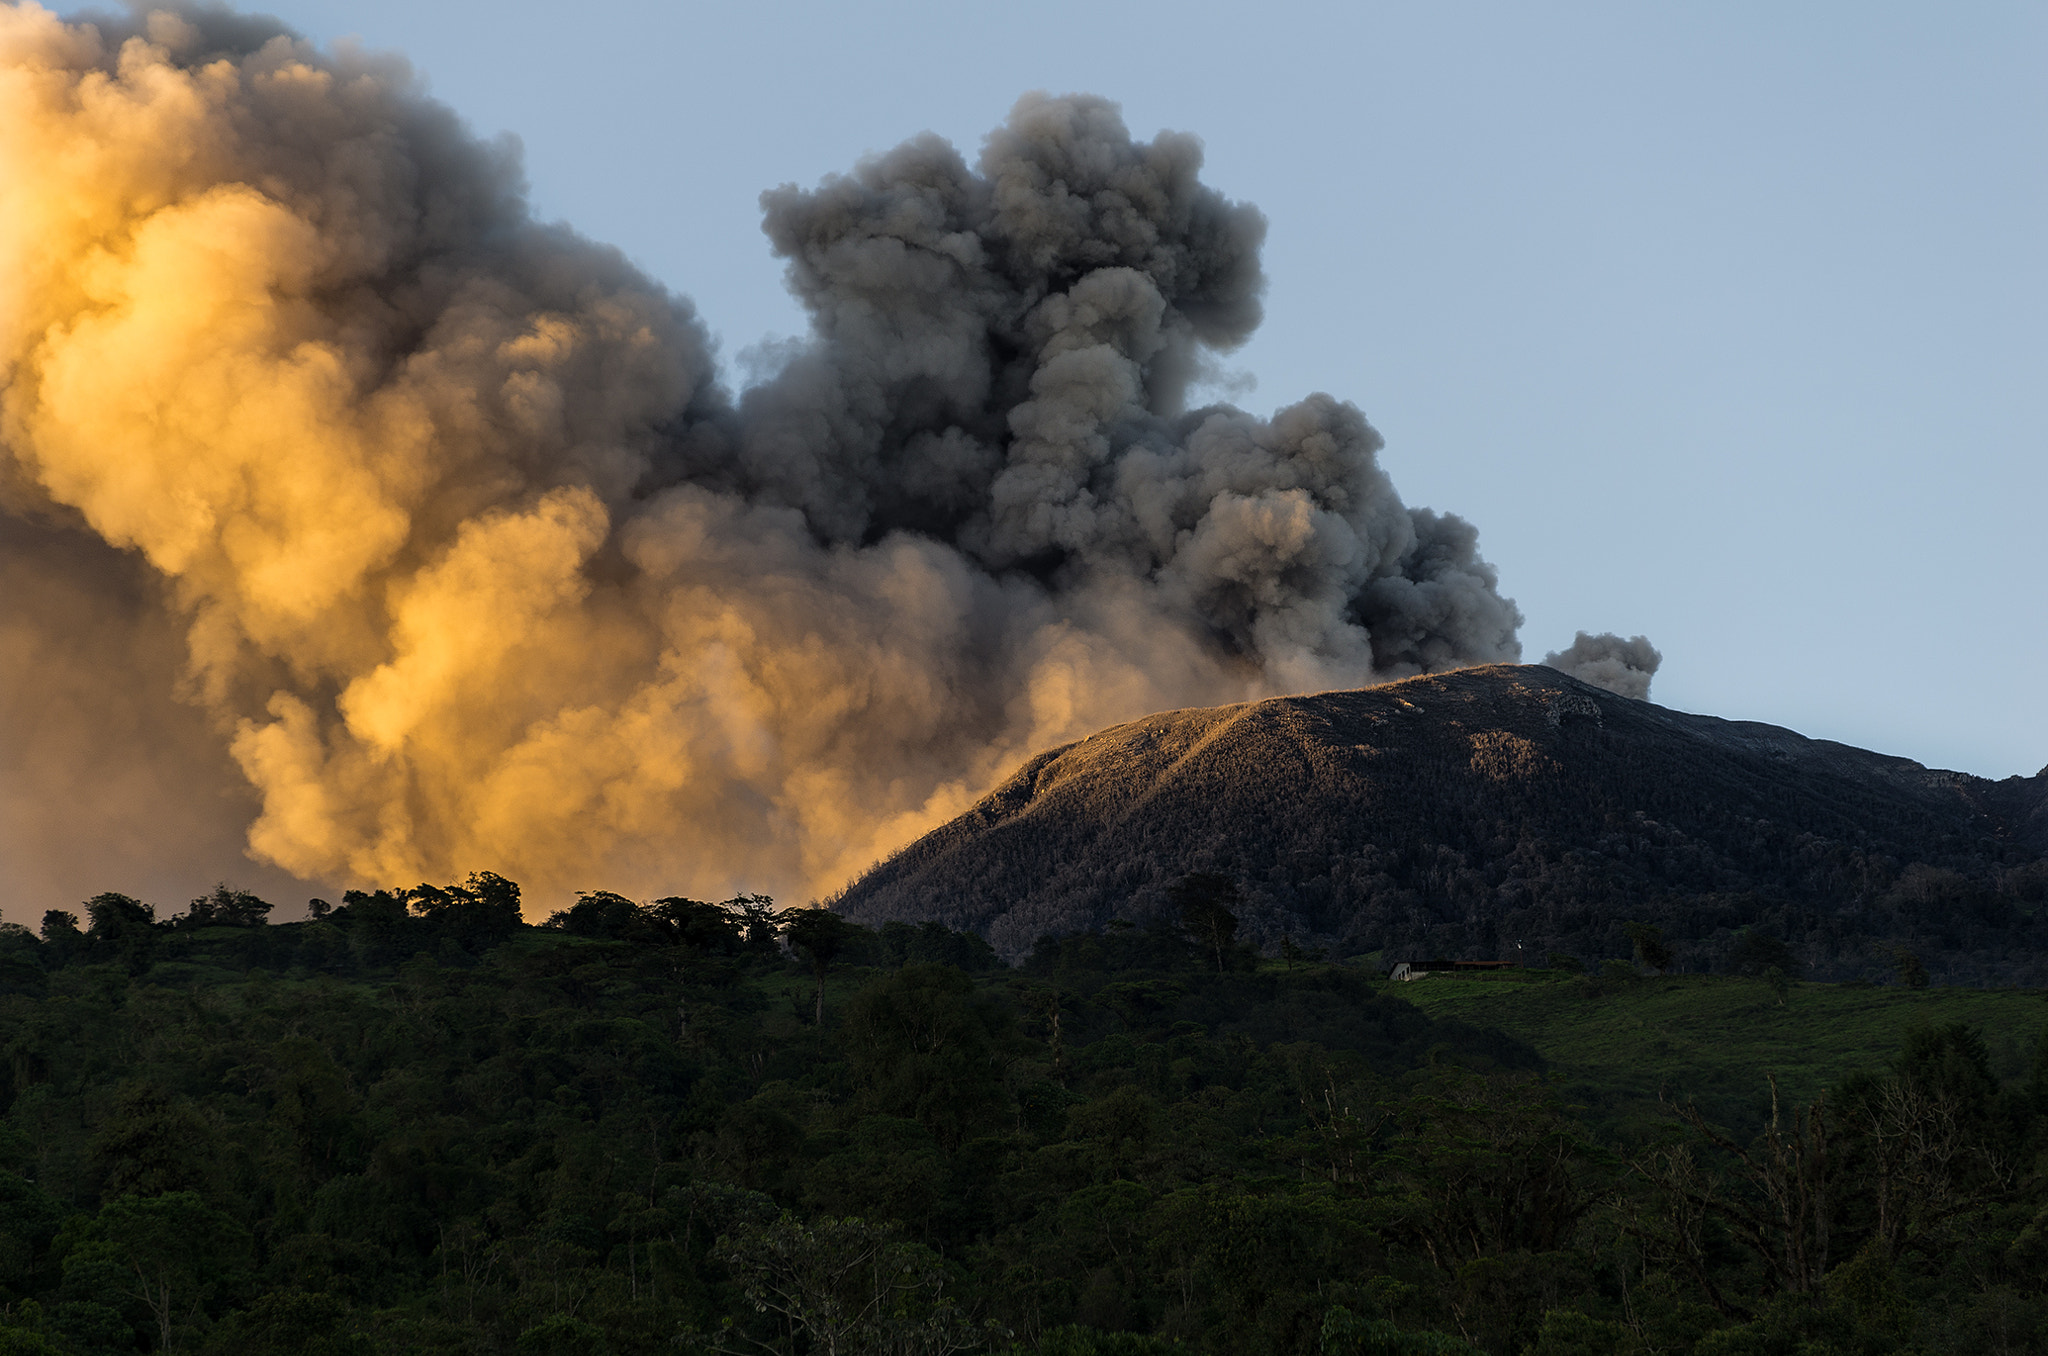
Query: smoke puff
x=1606, y=660
x=477, y=565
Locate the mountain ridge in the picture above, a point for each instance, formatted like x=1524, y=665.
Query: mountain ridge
x=1494, y=809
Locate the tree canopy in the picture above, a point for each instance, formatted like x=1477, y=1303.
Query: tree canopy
x=417, y=1124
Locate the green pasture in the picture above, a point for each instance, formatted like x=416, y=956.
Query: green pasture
x=1622, y=1047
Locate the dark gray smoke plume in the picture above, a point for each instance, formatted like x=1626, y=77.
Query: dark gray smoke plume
x=1000, y=363
x=1606, y=660
x=474, y=565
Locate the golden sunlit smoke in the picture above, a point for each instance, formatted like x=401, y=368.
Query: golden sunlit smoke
x=479, y=569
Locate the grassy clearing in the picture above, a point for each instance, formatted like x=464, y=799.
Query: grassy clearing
x=1619, y=1047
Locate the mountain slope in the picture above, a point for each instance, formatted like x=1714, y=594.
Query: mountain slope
x=1468, y=812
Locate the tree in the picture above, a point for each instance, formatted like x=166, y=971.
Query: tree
x=116, y=915
x=1651, y=950
x=932, y=943
x=383, y=913
x=1911, y=972
x=850, y=1286
x=61, y=937
x=1498, y=1165
x=756, y=919
x=23, y=1341
x=1927, y=1151
x=924, y=1045
x=122, y=927
x=1203, y=900
x=1778, y=1206
x=819, y=936
x=563, y=1335
x=1346, y=1334
x=149, y=1141
x=170, y=1248
x=597, y=913
x=1758, y=952
x=225, y=907
x=29, y=1218
x=693, y=923
x=484, y=909
x=287, y=1323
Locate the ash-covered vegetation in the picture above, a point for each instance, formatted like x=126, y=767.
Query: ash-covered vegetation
x=418, y=1124
x=1502, y=813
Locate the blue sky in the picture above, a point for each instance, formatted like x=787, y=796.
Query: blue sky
x=1725, y=324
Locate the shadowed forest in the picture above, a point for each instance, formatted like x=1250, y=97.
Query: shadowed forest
x=417, y=1124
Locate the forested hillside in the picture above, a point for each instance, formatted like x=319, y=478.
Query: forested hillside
x=419, y=1125
x=1501, y=812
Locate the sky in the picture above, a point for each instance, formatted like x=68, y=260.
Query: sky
x=1722, y=323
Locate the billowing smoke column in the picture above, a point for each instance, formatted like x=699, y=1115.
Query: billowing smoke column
x=477, y=566
x=1606, y=660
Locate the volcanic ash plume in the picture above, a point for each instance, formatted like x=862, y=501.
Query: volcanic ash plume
x=1606, y=660
x=475, y=564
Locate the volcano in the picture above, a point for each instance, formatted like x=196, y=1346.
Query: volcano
x=1501, y=812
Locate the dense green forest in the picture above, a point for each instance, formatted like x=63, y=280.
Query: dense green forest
x=415, y=1123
